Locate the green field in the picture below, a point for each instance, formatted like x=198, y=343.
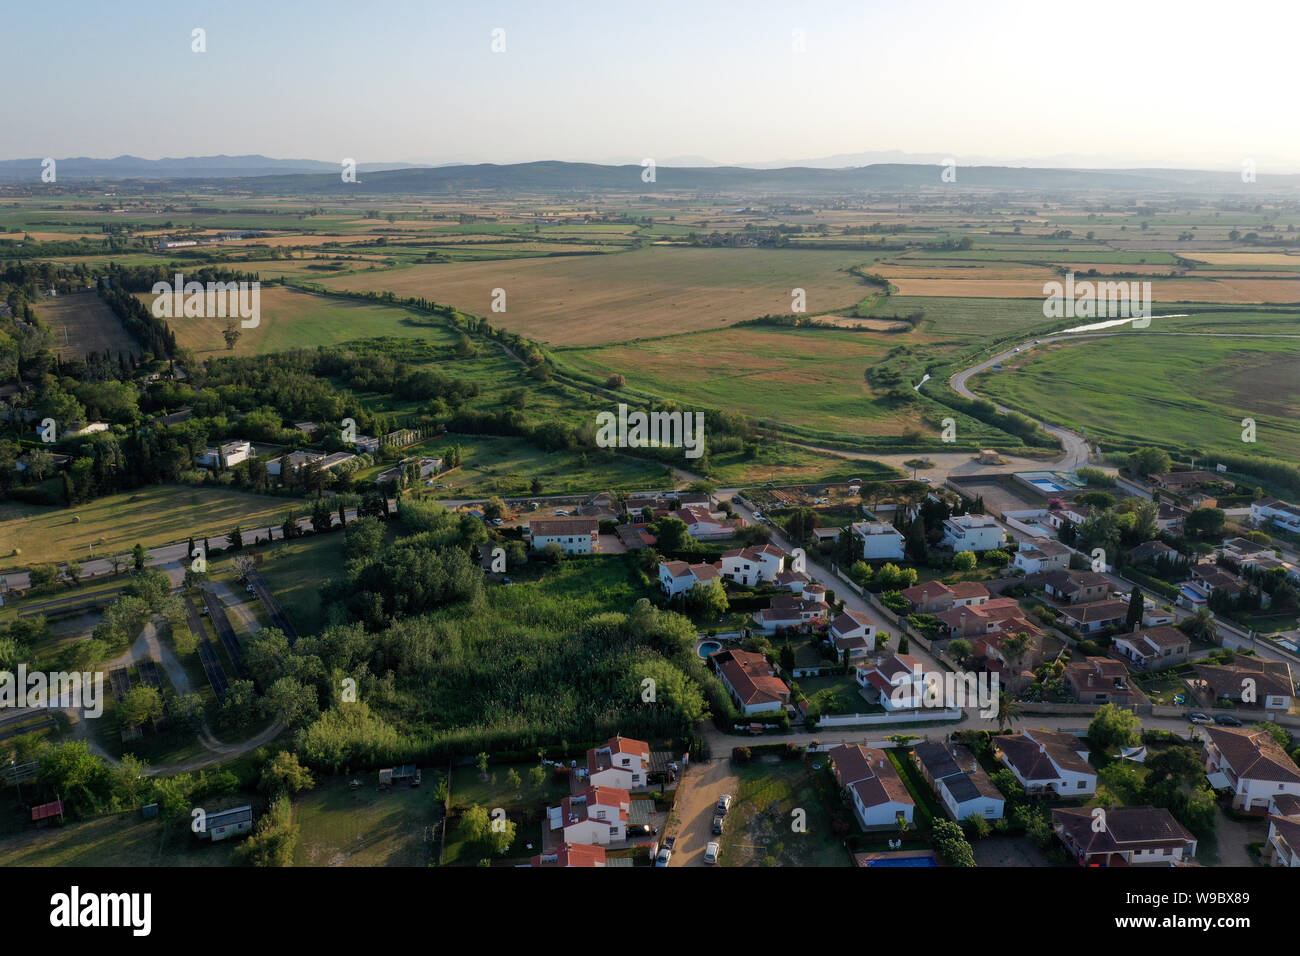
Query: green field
x=364, y=827
x=1175, y=391
x=152, y=516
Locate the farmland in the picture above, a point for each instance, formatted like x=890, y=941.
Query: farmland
x=1177, y=391
x=294, y=319
x=587, y=300
x=153, y=516
x=82, y=323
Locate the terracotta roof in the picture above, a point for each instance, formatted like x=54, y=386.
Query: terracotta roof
x=571, y=854
x=1124, y=829
x=1224, y=680
x=869, y=772
x=1041, y=754
x=1254, y=754
x=751, y=677
x=849, y=621
x=556, y=527
x=1096, y=611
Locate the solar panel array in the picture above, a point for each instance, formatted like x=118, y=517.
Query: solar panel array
x=207, y=653
x=273, y=609
x=225, y=631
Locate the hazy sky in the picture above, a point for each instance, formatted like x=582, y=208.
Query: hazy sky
x=401, y=80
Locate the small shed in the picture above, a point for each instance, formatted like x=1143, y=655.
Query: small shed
x=228, y=823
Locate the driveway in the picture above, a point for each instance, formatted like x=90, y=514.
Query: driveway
x=697, y=795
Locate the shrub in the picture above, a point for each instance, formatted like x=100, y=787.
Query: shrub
x=742, y=755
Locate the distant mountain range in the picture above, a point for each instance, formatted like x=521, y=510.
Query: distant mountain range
x=190, y=167
x=263, y=175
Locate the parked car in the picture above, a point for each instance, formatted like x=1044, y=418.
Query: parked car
x=641, y=829
x=718, y=821
x=1199, y=718
x=724, y=804
x=1226, y=720
x=665, y=855
x=561, y=513
x=711, y=853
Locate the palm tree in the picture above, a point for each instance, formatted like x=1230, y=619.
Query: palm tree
x=1008, y=710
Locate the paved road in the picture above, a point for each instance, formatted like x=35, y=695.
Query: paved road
x=1077, y=453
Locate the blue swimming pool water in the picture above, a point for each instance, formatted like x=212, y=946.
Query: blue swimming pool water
x=907, y=861
x=709, y=647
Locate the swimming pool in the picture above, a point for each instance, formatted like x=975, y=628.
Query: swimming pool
x=709, y=647
x=906, y=861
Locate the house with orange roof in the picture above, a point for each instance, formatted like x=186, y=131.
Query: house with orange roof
x=622, y=763
x=569, y=855
x=751, y=681
x=596, y=815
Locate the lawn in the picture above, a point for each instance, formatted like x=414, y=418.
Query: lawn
x=294, y=571
x=470, y=789
x=364, y=827
x=118, y=840
x=152, y=516
x=760, y=826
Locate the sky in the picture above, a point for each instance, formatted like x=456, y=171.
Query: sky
x=1109, y=82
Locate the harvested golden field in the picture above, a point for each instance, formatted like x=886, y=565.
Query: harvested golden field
x=1244, y=291
x=1245, y=258
x=584, y=300
x=983, y=271
x=1120, y=268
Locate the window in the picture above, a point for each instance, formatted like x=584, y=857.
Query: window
x=613, y=831
x=1082, y=784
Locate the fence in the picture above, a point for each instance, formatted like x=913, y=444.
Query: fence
x=912, y=717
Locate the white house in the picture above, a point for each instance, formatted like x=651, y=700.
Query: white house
x=751, y=566
x=1048, y=761
x=701, y=523
x=963, y=786
x=597, y=815
x=1154, y=647
x=227, y=454
x=1275, y=511
x=573, y=535
x=1123, y=836
x=621, y=763
x=880, y=541
x=896, y=683
x=878, y=794
x=366, y=444
x=1251, y=764
x=678, y=577
x=791, y=612
x=851, y=631
x=1042, y=555
x=1283, y=845
x=294, y=461
x=973, y=532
